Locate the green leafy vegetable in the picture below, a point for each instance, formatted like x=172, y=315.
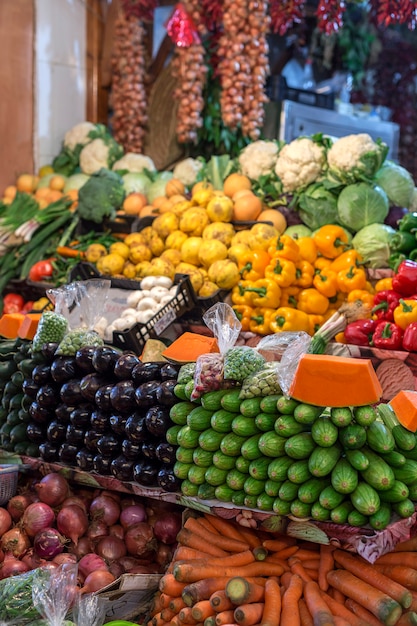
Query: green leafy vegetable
x=362, y=204
x=318, y=206
x=372, y=243
x=397, y=183
x=101, y=195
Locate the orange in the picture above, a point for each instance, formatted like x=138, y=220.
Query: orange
x=158, y=201
x=42, y=192
x=165, y=206
x=148, y=211
x=240, y=193
x=174, y=187
x=248, y=207
x=10, y=192
x=26, y=183
x=73, y=195
x=134, y=203
x=202, y=185
x=235, y=182
x=57, y=182
x=276, y=217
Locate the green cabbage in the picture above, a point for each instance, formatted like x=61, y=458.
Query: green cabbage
x=157, y=188
x=372, y=242
x=75, y=181
x=397, y=183
x=136, y=182
x=318, y=206
x=361, y=204
x=298, y=230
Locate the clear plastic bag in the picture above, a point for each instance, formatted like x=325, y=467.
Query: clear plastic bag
x=54, y=595
x=263, y=382
x=89, y=609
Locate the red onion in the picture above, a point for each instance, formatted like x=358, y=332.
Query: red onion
x=83, y=547
x=116, y=568
x=140, y=540
x=53, y=489
x=152, y=568
x=1, y=556
x=97, y=529
x=167, y=527
x=129, y=562
x=110, y=494
x=106, y=509
x=36, y=517
x=91, y=562
x=164, y=554
x=48, y=543
x=15, y=541
x=132, y=515
x=72, y=521
x=96, y=581
x=111, y=548
x=11, y=566
x=17, y=505
x=117, y=531
x=74, y=500
x=64, y=557
x=32, y=560
x=5, y=521
x=128, y=501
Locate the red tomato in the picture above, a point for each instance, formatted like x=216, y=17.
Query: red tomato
x=41, y=271
x=12, y=303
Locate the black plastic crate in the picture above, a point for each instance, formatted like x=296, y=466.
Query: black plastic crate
x=311, y=98
x=85, y=271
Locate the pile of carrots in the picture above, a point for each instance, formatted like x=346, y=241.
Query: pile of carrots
x=223, y=574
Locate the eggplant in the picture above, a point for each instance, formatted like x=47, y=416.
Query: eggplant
x=167, y=480
x=63, y=413
x=56, y=432
x=89, y=384
x=135, y=428
x=145, y=372
x=39, y=414
x=71, y=392
x=102, y=464
x=149, y=449
x=48, y=451
x=80, y=416
x=169, y=371
x=146, y=474
x=131, y=450
x=165, y=452
x=125, y=364
x=63, y=368
x=100, y=421
x=35, y=432
x=85, y=459
x=48, y=350
x=145, y=394
x=104, y=359
x=118, y=424
x=74, y=435
x=109, y=445
x=67, y=453
x=157, y=420
x=47, y=396
x=102, y=397
x=91, y=438
x=165, y=393
x=84, y=359
x=122, y=396
x=42, y=374
x=30, y=388
x=122, y=468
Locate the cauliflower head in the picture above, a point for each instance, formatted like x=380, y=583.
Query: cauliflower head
x=134, y=163
x=355, y=158
x=99, y=153
x=258, y=158
x=299, y=163
x=186, y=171
x=78, y=134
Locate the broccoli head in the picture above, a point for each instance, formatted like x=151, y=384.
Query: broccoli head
x=100, y=196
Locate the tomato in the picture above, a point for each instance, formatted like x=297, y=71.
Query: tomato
x=41, y=270
x=28, y=306
x=12, y=303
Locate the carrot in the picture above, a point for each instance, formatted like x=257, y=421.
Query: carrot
x=326, y=564
x=339, y=621
x=169, y=585
x=366, y=572
x=305, y=616
x=377, y=602
x=210, y=621
x=225, y=527
x=176, y=604
x=191, y=572
x=404, y=575
x=201, y=610
x=409, y=618
x=249, y=614
x=186, y=616
x=398, y=558
x=239, y=590
x=192, y=540
x=175, y=621
x=285, y=580
x=250, y=537
x=318, y=608
x=203, y=588
x=408, y=545
x=70, y=253
x=220, y=602
x=157, y=620
x=224, y=543
x=413, y=606
x=184, y=553
x=311, y=564
x=167, y=614
x=260, y=553
x=290, y=614
x=275, y=545
x=234, y=559
x=298, y=568
x=272, y=604
x=285, y=553
x=336, y=595
x=362, y=613
x=164, y=600
x=206, y=523
x=340, y=610
x=225, y=617
x=306, y=555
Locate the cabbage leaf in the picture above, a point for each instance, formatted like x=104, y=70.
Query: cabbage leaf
x=361, y=204
x=397, y=183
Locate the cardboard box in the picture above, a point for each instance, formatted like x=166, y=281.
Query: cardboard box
x=129, y=597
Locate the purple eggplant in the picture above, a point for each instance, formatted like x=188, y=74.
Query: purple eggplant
x=157, y=420
x=63, y=412
x=100, y=421
x=84, y=359
x=122, y=396
x=90, y=384
x=85, y=460
x=165, y=393
x=167, y=480
x=63, y=368
x=71, y=392
x=145, y=372
x=122, y=468
x=135, y=428
x=39, y=414
x=118, y=423
x=165, y=452
x=68, y=454
x=125, y=364
x=47, y=397
x=74, y=435
x=146, y=474
x=56, y=432
x=104, y=359
x=102, y=464
x=131, y=450
x=41, y=374
x=102, y=397
x=80, y=416
x=145, y=394
x=109, y=445
x=48, y=451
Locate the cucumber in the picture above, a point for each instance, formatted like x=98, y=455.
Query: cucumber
x=171, y=434
x=181, y=469
x=258, y=468
x=378, y=474
x=299, y=446
x=264, y=502
x=281, y=507
x=235, y=479
x=189, y=489
x=352, y=437
x=250, y=501
x=278, y=468
x=288, y=491
x=287, y=426
x=323, y=460
x=399, y=491
x=379, y=437
x=199, y=418
x=364, y=415
x=265, y=421
x=205, y=492
x=18, y=433
x=319, y=513
x=381, y=518
x=221, y=421
x=365, y=499
x=242, y=464
x=222, y=461
x=269, y=404
x=231, y=401
x=286, y=405
x=300, y=509
x=188, y=390
x=272, y=487
x=271, y=444
x=307, y=413
x=310, y=491
x=202, y=458
x=250, y=448
x=344, y=477
x=209, y=440
x=180, y=393
x=253, y=486
x=339, y=515
x=330, y=498
x=412, y=491
x=404, y=439
x=394, y=458
x=223, y=493
x=244, y=426
x=357, y=519
x=250, y=407
x=405, y=508
x=231, y=444
x=357, y=459
x=238, y=498
x=298, y=472
x=410, y=454
x=215, y=476
x=196, y=475
x=324, y=432
x=341, y=416
x=13, y=418
x=212, y=400
x=178, y=413
x=407, y=473
x=187, y=437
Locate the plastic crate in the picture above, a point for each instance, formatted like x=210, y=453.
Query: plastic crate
x=311, y=98
x=85, y=271
x=8, y=482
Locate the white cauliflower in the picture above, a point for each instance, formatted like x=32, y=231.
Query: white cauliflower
x=355, y=158
x=258, y=158
x=135, y=163
x=78, y=134
x=299, y=163
x=100, y=152
x=186, y=171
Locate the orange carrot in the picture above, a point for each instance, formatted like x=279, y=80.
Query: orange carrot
x=366, y=572
x=169, y=585
x=203, y=588
x=413, y=606
x=290, y=614
x=285, y=579
x=275, y=545
x=398, y=558
x=164, y=600
x=408, y=545
x=210, y=621
x=404, y=575
x=249, y=614
x=340, y=610
x=70, y=253
x=340, y=621
x=191, y=572
x=184, y=553
x=157, y=620
x=319, y=610
x=176, y=604
x=305, y=616
x=201, y=610
x=234, y=559
x=285, y=553
x=206, y=523
x=251, y=538
x=220, y=602
x=377, y=602
x=362, y=613
x=192, y=540
x=225, y=617
x=310, y=564
x=298, y=568
x=225, y=527
x=326, y=564
x=409, y=618
x=186, y=616
x=336, y=595
x=306, y=555
x=240, y=591
x=167, y=614
x=272, y=604
x=175, y=621
x=224, y=543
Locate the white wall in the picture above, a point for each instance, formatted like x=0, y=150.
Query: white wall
x=60, y=73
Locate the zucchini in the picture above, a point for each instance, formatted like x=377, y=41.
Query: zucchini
x=250, y=407
x=258, y=468
x=231, y=401
x=223, y=493
x=412, y=491
x=197, y=475
x=18, y=433
x=13, y=418
x=352, y=437
x=222, y=461
x=181, y=469
x=299, y=446
x=341, y=416
x=319, y=513
x=235, y=479
x=179, y=412
x=344, y=477
x=300, y=509
x=405, y=508
x=231, y=444
x=365, y=499
x=364, y=415
x=179, y=392
x=287, y=426
x=378, y=474
x=265, y=421
x=205, y=492
x=250, y=501
x=209, y=439
x=244, y=426
x=339, y=515
x=298, y=472
x=264, y=502
x=278, y=468
x=272, y=487
x=404, y=439
x=286, y=405
x=238, y=498
x=288, y=491
x=171, y=434
x=357, y=519
x=221, y=421
x=215, y=476
x=269, y=404
x=270, y=444
x=307, y=413
x=184, y=455
x=242, y=464
x=399, y=491
x=253, y=486
x=379, y=437
x=310, y=491
x=281, y=507
x=330, y=498
x=324, y=432
x=381, y=518
x=202, y=458
x=407, y=473
x=187, y=437
x=394, y=458
x=199, y=418
x=250, y=448
x=211, y=400
x=357, y=459
x=322, y=460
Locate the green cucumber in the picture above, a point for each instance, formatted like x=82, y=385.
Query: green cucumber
x=223, y=493
x=223, y=461
x=344, y=477
x=323, y=460
x=212, y=400
x=197, y=475
x=187, y=437
x=404, y=439
x=394, y=458
x=364, y=415
x=330, y=498
x=382, y=517
x=405, y=508
x=238, y=498
x=307, y=413
x=242, y=464
x=281, y=507
x=199, y=418
x=278, y=468
x=288, y=491
x=171, y=434
x=250, y=448
x=253, y=486
x=300, y=509
x=202, y=458
x=264, y=502
x=231, y=444
x=298, y=472
x=244, y=426
x=412, y=491
x=181, y=469
x=269, y=404
x=410, y=454
x=357, y=459
x=188, y=390
x=18, y=433
x=210, y=440
x=355, y=518
x=407, y=473
x=180, y=392
x=250, y=407
x=258, y=468
x=379, y=437
x=215, y=476
x=319, y=513
x=399, y=491
x=205, y=492
x=299, y=446
x=324, y=432
x=287, y=426
x=365, y=499
x=310, y=491
x=13, y=418
x=286, y=405
x=265, y=421
x=378, y=474
x=341, y=416
x=221, y=421
x=272, y=487
x=352, y=437
x=235, y=479
x=339, y=515
x=231, y=401
x=270, y=444
x=250, y=501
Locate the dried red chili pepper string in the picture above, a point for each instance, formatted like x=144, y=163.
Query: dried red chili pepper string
x=284, y=14
x=330, y=15
x=212, y=11
x=141, y=9
x=391, y=12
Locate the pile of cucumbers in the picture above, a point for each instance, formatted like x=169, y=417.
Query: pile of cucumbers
x=347, y=465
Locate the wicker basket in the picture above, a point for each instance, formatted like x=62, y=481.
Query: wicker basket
x=8, y=482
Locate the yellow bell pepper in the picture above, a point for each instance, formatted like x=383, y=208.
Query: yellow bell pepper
x=239, y=295
x=405, y=313
x=352, y=278
x=252, y=264
x=243, y=313
x=322, y=263
x=285, y=248
x=288, y=319
x=315, y=322
x=325, y=281
x=312, y=301
x=346, y=260
x=282, y=271
x=265, y=292
x=383, y=284
x=289, y=296
x=304, y=274
x=307, y=248
x=260, y=321
x=361, y=295
x=331, y=240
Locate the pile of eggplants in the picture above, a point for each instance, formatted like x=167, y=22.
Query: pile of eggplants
x=104, y=411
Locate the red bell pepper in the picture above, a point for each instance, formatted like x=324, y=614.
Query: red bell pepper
x=405, y=279
x=410, y=337
x=13, y=303
x=360, y=332
x=387, y=335
x=384, y=304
